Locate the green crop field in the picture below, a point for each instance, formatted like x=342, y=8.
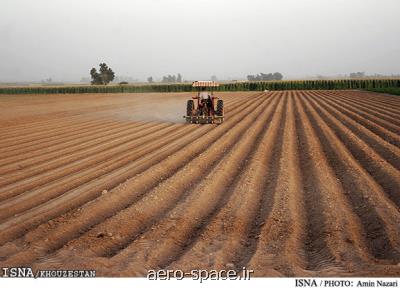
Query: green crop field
x=236, y=86
x=390, y=90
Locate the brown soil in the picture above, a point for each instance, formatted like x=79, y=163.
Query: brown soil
x=293, y=183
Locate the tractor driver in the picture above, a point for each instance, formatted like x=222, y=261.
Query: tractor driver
x=205, y=98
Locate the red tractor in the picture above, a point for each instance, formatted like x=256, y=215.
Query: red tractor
x=208, y=108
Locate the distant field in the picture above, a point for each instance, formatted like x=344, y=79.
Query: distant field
x=293, y=183
x=187, y=87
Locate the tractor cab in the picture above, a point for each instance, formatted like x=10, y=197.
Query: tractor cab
x=204, y=107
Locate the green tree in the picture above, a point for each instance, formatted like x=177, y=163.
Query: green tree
x=105, y=76
x=277, y=76
x=96, y=80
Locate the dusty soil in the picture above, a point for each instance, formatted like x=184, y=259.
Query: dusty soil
x=293, y=183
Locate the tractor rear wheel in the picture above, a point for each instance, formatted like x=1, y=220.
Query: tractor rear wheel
x=189, y=110
x=220, y=108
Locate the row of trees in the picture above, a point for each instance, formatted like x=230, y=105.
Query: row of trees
x=107, y=75
x=357, y=75
x=363, y=75
x=172, y=79
x=265, y=77
x=168, y=79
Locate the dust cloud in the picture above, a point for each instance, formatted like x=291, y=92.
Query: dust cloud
x=159, y=110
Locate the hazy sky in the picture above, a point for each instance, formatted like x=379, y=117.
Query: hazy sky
x=63, y=39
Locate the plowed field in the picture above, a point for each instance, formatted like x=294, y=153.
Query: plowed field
x=298, y=183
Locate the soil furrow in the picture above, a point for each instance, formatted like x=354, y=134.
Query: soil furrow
x=380, y=219
x=389, y=152
x=145, y=181
x=383, y=173
x=91, y=190
x=280, y=241
x=383, y=111
x=71, y=130
x=227, y=238
x=168, y=192
x=75, y=158
x=333, y=230
x=36, y=127
x=193, y=214
x=355, y=112
x=293, y=183
x=68, y=179
x=54, y=146
x=384, y=121
x=377, y=98
x=69, y=159
x=77, y=145
x=317, y=251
